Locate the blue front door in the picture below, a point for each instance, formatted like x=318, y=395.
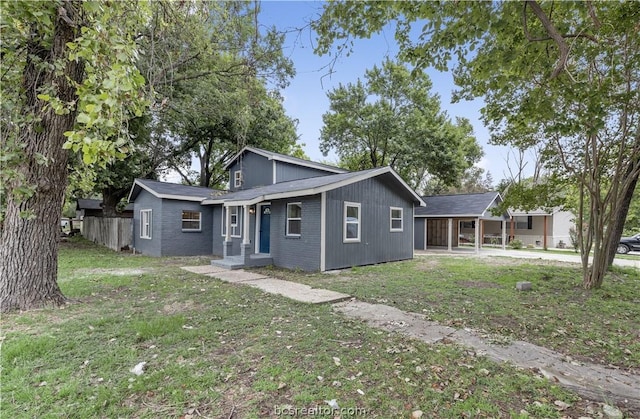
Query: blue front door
x=265, y=228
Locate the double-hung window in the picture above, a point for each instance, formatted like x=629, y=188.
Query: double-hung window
x=145, y=224
x=294, y=219
x=191, y=220
x=395, y=215
x=237, y=178
x=351, y=226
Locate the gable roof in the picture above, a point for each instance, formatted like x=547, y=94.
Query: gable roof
x=95, y=204
x=310, y=186
x=284, y=158
x=460, y=205
x=165, y=190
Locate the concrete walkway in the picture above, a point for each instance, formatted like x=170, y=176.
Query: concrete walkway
x=592, y=381
x=566, y=256
x=292, y=290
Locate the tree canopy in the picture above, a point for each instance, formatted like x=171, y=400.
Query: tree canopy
x=209, y=95
x=391, y=118
x=562, y=76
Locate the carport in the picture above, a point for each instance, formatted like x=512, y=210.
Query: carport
x=450, y=221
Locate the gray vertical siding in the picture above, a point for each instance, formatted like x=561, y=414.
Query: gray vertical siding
x=176, y=242
x=377, y=244
x=418, y=233
x=286, y=172
x=151, y=247
x=257, y=170
x=217, y=239
x=296, y=252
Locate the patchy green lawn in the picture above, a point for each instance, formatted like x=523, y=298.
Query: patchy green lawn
x=214, y=349
x=596, y=325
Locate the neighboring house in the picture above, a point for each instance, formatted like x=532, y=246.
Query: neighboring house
x=93, y=208
x=287, y=212
x=458, y=220
x=530, y=227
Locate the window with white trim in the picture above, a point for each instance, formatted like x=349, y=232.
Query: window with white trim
x=191, y=220
x=294, y=219
x=351, y=224
x=235, y=221
x=145, y=224
x=395, y=215
x=237, y=178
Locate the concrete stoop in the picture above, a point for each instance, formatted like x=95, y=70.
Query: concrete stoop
x=239, y=262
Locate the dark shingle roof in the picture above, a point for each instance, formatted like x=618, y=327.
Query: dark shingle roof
x=171, y=190
x=472, y=205
x=307, y=186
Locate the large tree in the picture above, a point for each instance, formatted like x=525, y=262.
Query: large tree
x=206, y=64
x=224, y=116
x=392, y=119
x=68, y=83
x=229, y=104
x=562, y=76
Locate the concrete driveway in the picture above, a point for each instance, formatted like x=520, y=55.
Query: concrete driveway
x=569, y=257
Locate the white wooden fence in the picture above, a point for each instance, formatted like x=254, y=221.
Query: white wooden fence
x=112, y=232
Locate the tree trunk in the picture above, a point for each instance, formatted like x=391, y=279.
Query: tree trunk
x=619, y=219
x=29, y=251
x=110, y=199
x=594, y=275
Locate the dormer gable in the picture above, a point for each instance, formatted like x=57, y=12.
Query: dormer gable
x=253, y=167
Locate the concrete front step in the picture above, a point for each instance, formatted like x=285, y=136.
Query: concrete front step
x=237, y=262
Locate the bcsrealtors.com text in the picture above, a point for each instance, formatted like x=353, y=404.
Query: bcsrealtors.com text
x=318, y=410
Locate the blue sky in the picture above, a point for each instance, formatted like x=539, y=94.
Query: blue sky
x=306, y=97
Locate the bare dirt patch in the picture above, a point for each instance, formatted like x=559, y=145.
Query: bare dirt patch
x=115, y=272
x=178, y=307
x=428, y=265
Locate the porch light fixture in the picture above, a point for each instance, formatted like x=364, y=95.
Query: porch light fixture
x=252, y=210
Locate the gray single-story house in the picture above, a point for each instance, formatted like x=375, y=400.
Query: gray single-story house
x=449, y=221
x=280, y=210
x=168, y=219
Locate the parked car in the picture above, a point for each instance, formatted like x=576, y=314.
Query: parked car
x=628, y=244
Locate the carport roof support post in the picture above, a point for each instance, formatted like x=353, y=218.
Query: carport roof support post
x=477, y=231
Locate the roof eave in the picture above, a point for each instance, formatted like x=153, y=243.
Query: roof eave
x=317, y=190
x=453, y=216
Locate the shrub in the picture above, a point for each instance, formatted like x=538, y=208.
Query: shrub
x=573, y=237
x=516, y=244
